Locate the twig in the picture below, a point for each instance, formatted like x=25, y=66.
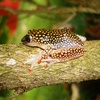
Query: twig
x=63, y=10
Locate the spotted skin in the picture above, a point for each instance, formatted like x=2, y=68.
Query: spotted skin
x=55, y=38
x=58, y=45
x=65, y=54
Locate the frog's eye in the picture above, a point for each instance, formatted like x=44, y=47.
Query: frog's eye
x=27, y=38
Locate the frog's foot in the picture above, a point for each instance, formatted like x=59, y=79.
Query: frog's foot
x=32, y=65
x=49, y=61
x=39, y=61
x=44, y=56
x=29, y=61
x=83, y=39
x=46, y=66
x=32, y=61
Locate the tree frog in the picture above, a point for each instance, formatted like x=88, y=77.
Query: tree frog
x=57, y=45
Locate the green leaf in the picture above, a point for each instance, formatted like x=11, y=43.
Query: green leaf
x=79, y=23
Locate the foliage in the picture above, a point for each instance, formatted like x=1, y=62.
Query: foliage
x=4, y=30
x=46, y=93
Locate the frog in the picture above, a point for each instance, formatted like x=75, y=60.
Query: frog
x=57, y=45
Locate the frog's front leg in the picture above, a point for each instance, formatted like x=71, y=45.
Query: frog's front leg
x=45, y=54
x=41, y=56
x=32, y=60
x=35, y=59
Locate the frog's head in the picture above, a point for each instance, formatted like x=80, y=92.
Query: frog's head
x=29, y=40
x=32, y=39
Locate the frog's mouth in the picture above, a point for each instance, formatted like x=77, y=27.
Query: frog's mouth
x=33, y=45
x=29, y=41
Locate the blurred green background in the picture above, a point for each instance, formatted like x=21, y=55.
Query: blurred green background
x=18, y=16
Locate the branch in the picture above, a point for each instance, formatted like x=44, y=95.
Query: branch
x=55, y=10
x=15, y=77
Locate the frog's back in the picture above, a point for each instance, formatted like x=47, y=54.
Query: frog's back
x=56, y=37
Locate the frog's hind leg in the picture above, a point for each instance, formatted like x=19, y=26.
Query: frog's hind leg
x=66, y=54
x=83, y=39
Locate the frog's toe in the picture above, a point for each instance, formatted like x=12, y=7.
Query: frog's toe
x=30, y=70
x=46, y=66
x=23, y=64
x=39, y=61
